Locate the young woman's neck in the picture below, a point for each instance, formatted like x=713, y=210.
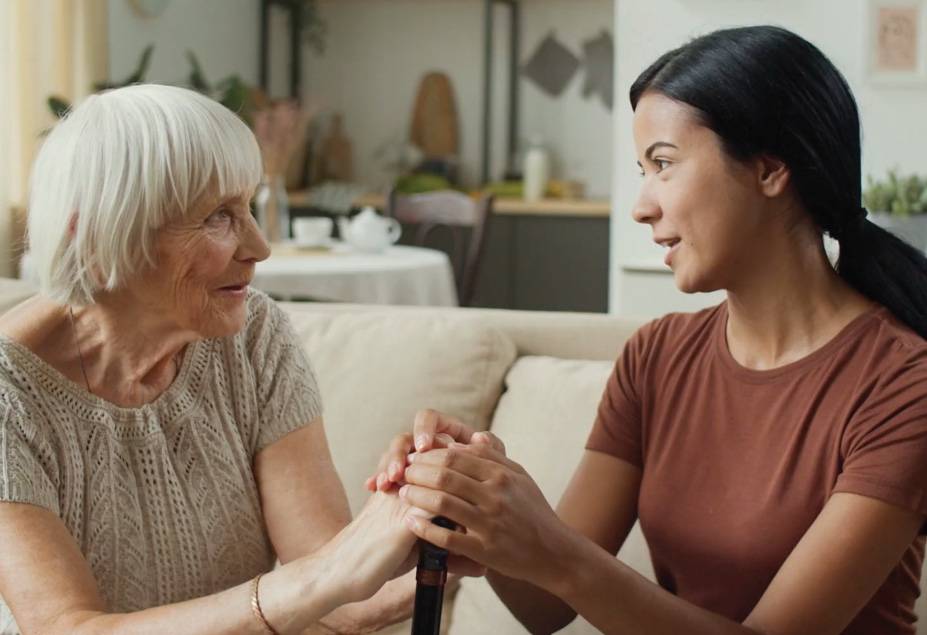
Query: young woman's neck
x=790, y=304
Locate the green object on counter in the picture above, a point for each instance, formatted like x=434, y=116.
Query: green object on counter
x=420, y=183
x=505, y=189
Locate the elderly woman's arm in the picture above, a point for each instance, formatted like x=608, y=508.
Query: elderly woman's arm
x=49, y=586
x=304, y=505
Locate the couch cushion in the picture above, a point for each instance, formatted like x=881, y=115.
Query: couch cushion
x=543, y=417
x=377, y=369
x=12, y=292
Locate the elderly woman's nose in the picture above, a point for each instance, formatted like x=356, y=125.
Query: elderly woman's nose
x=252, y=245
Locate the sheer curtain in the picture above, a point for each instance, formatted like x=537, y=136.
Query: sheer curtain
x=47, y=47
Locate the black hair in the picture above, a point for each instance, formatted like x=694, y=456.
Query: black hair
x=767, y=91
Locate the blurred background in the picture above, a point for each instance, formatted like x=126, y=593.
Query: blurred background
x=524, y=100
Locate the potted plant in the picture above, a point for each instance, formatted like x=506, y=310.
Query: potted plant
x=899, y=203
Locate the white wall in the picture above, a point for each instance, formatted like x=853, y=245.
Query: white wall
x=222, y=33
x=894, y=130
x=378, y=51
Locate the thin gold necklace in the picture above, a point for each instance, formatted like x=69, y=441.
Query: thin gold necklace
x=80, y=356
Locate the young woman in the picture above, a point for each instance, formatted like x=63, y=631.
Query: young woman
x=774, y=447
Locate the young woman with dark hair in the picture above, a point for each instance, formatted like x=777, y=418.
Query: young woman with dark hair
x=774, y=447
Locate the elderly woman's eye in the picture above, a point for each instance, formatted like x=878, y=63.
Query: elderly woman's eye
x=219, y=217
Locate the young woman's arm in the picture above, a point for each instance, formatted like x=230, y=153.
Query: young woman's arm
x=832, y=573
x=599, y=503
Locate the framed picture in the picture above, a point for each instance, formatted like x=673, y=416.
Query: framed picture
x=897, y=42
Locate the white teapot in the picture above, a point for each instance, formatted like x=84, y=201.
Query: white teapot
x=369, y=231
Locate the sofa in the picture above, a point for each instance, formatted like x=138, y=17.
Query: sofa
x=533, y=378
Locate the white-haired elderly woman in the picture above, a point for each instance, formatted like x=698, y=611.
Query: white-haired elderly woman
x=161, y=441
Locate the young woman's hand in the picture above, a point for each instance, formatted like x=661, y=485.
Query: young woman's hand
x=510, y=527
x=430, y=430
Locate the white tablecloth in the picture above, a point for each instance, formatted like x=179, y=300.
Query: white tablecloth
x=398, y=275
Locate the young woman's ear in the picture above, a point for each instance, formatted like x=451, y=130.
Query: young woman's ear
x=773, y=175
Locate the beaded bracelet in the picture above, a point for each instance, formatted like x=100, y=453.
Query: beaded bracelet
x=256, y=606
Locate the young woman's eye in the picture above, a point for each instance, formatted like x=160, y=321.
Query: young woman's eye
x=661, y=164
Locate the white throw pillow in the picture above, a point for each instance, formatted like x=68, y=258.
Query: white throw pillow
x=544, y=418
x=377, y=369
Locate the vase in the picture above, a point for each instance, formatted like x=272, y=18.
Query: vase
x=272, y=208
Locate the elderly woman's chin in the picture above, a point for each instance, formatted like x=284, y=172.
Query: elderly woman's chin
x=226, y=312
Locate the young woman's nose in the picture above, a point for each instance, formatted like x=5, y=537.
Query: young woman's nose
x=645, y=209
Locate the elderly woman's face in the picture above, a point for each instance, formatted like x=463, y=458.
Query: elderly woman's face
x=205, y=263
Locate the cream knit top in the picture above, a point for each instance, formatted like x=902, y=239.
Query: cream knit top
x=161, y=499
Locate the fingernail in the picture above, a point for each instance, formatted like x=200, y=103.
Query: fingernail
x=411, y=458
x=394, y=470
x=411, y=522
x=403, y=491
x=420, y=442
x=381, y=478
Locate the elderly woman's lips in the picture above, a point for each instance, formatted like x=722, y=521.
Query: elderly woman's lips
x=234, y=287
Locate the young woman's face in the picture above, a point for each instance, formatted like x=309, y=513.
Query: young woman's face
x=704, y=207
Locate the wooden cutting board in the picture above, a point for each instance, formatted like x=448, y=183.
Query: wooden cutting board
x=434, y=117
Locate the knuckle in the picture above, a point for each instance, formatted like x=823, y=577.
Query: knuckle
x=502, y=479
x=442, y=479
x=448, y=459
x=441, y=539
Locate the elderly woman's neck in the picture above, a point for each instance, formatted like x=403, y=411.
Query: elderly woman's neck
x=129, y=354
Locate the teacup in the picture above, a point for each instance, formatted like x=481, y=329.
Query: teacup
x=312, y=231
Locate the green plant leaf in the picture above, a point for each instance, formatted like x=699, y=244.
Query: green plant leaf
x=137, y=76
x=59, y=106
x=898, y=194
x=197, y=79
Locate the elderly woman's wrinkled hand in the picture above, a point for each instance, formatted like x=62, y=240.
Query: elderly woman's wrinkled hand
x=375, y=547
x=431, y=430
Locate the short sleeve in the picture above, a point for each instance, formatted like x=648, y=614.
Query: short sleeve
x=884, y=447
x=28, y=467
x=287, y=392
x=617, y=428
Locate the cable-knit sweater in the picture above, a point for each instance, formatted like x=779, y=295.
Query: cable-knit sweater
x=160, y=499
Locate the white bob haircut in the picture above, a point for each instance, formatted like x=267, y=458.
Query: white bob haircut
x=115, y=170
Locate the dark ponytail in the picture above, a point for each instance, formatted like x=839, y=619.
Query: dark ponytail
x=765, y=90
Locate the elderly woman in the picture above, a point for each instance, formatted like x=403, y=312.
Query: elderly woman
x=161, y=440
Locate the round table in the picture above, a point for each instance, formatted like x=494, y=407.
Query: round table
x=397, y=275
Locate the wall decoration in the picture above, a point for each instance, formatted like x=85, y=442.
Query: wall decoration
x=897, y=42
x=599, y=54
x=552, y=66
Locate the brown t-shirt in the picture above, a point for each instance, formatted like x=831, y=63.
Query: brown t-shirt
x=737, y=463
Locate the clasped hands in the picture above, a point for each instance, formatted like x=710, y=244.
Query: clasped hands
x=445, y=468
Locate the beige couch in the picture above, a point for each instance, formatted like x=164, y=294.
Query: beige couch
x=533, y=378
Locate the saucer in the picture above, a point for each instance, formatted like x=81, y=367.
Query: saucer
x=326, y=243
